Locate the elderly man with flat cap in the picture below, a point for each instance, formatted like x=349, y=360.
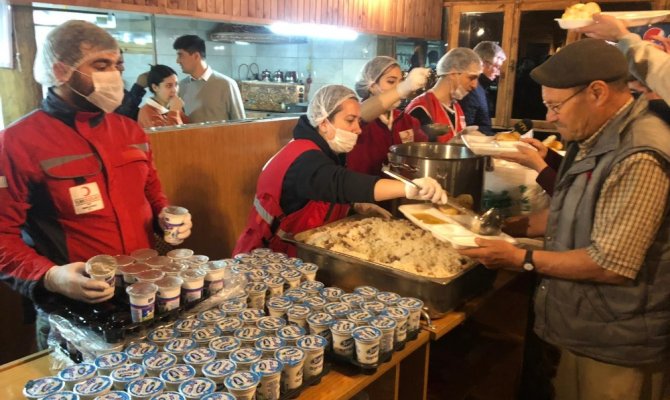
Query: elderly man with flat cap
x=604, y=291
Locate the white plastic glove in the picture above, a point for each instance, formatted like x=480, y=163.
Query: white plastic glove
x=69, y=280
x=430, y=190
x=415, y=80
x=371, y=210
x=183, y=232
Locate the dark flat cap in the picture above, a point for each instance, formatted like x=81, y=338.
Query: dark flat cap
x=581, y=63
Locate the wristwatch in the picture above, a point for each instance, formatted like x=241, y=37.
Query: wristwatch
x=528, y=261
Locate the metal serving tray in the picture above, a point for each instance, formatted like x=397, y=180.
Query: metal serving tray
x=438, y=295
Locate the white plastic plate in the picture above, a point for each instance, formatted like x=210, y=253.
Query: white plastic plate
x=573, y=23
x=639, y=18
x=492, y=147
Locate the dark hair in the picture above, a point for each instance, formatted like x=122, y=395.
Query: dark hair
x=157, y=73
x=191, y=44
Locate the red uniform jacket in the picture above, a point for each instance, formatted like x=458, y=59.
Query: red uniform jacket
x=432, y=106
x=371, y=150
x=73, y=193
x=267, y=219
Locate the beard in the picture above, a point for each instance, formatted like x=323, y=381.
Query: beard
x=83, y=85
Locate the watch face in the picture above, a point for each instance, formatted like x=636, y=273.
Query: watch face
x=528, y=266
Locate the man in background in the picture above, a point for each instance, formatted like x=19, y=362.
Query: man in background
x=208, y=95
x=133, y=97
x=480, y=104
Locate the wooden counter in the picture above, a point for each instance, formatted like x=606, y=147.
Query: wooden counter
x=403, y=377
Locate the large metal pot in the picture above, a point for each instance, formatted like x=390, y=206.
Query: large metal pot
x=455, y=167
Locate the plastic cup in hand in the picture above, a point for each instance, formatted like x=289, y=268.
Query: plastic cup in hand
x=293, y=359
x=269, y=371
x=366, y=340
x=142, y=300
x=313, y=346
x=242, y=384
x=173, y=219
x=169, y=292
x=102, y=268
x=343, y=342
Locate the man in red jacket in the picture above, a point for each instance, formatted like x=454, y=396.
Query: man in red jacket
x=76, y=180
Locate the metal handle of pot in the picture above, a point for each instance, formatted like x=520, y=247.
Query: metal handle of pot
x=387, y=171
x=404, y=166
x=426, y=316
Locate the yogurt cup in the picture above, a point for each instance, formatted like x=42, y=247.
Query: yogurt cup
x=261, y=252
x=211, y=317
x=105, y=363
x=194, y=282
x=203, y=336
x=169, y=396
x=176, y=375
x=161, y=335
x=366, y=341
x=224, y=345
x=218, y=396
x=35, y=389
x=122, y=375
x=313, y=346
x=244, y=357
x=102, y=268
x=76, y=373
x=297, y=296
x=268, y=345
x=275, y=268
x=308, y=270
x=64, y=395
x=290, y=334
x=248, y=335
x=218, y=370
x=242, y=269
x=297, y=314
x=292, y=277
x=278, y=306
x=158, y=262
x=388, y=298
x=155, y=363
x=114, y=395
x=332, y=294
x=197, y=388
x=174, y=268
x=251, y=316
x=269, y=371
x=130, y=272
x=414, y=306
x=121, y=261
x=258, y=275
x=229, y=325
x=353, y=299
x=150, y=276
x=256, y=291
x=319, y=324
x=141, y=255
x=368, y=292
x=197, y=260
x=401, y=315
x=343, y=342
x=293, y=359
x=360, y=317
x=316, y=302
x=373, y=307
x=136, y=351
x=293, y=261
x=338, y=310
x=180, y=346
x=214, y=274
x=276, y=257
x=387, y=326
x=312, y=288
x=93, y=387
x=233, y=307
x=145, y=388
x=275, y=285
x=196, y=358
x=179, y=254
x=270, y=325
x=169, y=292
x=242, y=385
x=142, y=300
x=244, y=257
x=185, y=327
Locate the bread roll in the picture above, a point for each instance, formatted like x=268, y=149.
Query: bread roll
x=581, y=11
x=508, y=136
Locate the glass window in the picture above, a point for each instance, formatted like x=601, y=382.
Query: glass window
x=539, y=38
x=6, y=56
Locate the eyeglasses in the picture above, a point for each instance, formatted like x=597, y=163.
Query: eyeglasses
x=556, y=107
x=495, y=66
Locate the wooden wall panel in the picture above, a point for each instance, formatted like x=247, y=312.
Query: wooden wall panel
x=212, y=171
x=407, y=18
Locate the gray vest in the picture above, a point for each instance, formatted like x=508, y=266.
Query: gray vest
x=619, y=324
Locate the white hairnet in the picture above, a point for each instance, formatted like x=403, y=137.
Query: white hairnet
x=371, y=72
x=325, y=102
x=459, y=59
x=71, y=43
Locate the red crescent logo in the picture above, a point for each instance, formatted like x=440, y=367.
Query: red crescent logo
x=651, y=32
x=87, y=190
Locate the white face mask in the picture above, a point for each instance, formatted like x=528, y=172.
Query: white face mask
x=343, y=142
x=107, y=92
